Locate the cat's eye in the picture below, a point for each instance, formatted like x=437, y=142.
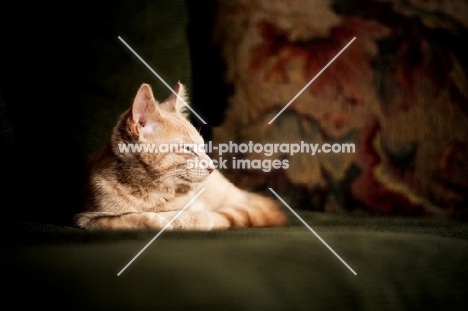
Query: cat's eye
x=188, y=148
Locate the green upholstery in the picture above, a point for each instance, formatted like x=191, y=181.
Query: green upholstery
x=401, y=264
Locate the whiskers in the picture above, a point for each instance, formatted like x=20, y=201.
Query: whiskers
x=177, y=176
x=170, y=176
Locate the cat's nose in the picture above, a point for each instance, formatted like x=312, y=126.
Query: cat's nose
x=210, y=167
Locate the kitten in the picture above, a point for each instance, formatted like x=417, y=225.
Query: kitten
x=146, y=189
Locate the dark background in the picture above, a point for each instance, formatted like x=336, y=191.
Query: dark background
x=65, y=77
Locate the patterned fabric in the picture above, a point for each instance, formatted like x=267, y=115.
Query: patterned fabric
x=398, y=92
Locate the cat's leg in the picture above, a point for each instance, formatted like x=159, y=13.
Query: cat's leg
x=252, y=211
x=102, y=220
x=241, y=208
x=187, y=220
x=195, y=220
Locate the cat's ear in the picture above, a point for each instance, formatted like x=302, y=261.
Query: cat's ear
x=177, y=103
x=144, y=109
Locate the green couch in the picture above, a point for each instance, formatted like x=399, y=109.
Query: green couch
x=401, y=264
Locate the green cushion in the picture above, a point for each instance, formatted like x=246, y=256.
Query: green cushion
x=401, y=264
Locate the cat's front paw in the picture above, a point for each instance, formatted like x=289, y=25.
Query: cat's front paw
x=157, y=221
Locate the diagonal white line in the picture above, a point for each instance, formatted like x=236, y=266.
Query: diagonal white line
x=312, y=230
x=160, y=232
x=161, y=79
x=313, y=79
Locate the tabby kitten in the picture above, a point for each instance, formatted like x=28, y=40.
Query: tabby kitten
x=147, y=189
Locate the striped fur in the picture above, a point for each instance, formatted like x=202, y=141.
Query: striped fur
x=147, y=190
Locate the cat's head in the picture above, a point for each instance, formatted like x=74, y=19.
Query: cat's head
x=158, y=139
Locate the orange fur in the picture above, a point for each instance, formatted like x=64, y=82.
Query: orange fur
x=146, y=190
